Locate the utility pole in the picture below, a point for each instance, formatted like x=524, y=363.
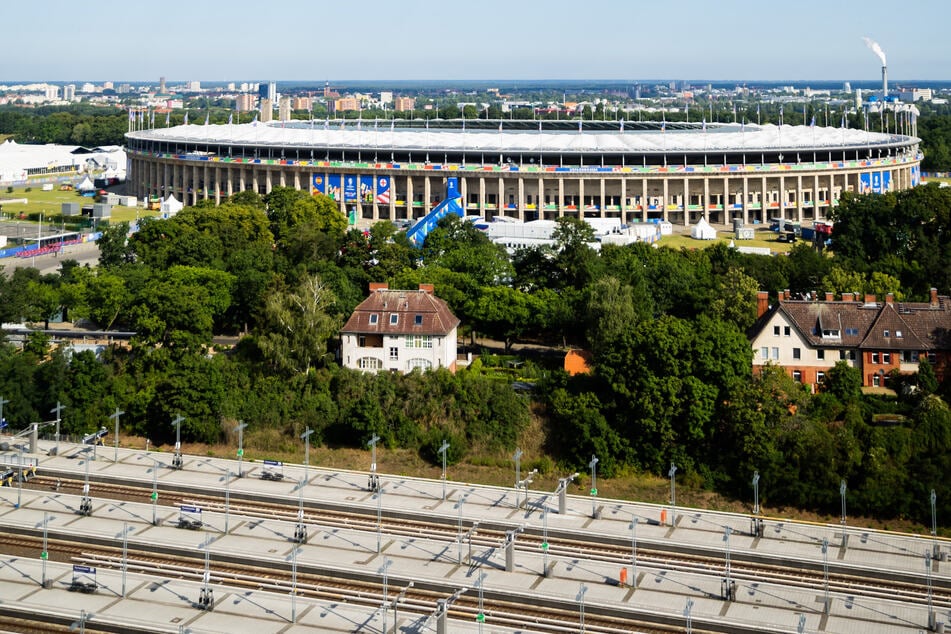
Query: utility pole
x=240, y=429
x=116, y=416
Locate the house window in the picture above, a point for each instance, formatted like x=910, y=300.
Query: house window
x=776, y=354
x=932, y=358
x=886, y=358
x=775, y=331
x=887, y=333
x=853, y=332
x=876, y=380
x=909, y=356
x=796, y=353
x=394, y=319
x=764, y=352
x=831, y=333
x=374, y=318
x=820, y=377
x=821, y=355
x=369, y=363
x=419, y=320
x=394, y=354
x=786, y=330
x=427, y=341
x=422, y=364
x=797, y=376
x=898, y=333
x=362, y=341
x=875, y=357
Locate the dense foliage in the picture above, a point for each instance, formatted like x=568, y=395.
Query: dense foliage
x=667, y=328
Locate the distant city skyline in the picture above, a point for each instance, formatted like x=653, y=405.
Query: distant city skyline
x=413, y=40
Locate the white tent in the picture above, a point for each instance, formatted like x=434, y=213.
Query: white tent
x=170, y=206
x=86, y=185
x=703, y=231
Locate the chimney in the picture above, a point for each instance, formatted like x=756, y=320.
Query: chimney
x=786, y=294
x=848, y=297
x=378, y=286
x=427, y=288
x=869, y=299
x=830, y=296
x=762, y=303
x=890, y=298
x=934, y=297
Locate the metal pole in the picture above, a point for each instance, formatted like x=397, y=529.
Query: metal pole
x=240, y=429
x=58, y=410
x=825, y=572
x=227, y=500
x=379, y=517
x=20, y=478
x=125, y=553
x=936, y=549
x=44, y=555
x=372, y=443
x=931, y=614
x=518, y=474
x=383, y=569
x=726, y=538
x=3, y=421
x=154, y=492
x=687, y=610
x=756, y=493
x=294, y=585
x=673, y=492
x=116, y=416
x=459, y=530
x=306, y=438
x=634, y=552
x=842, y=489
x=480, y=616
x=177, y=458
x=545, y=541
x=443, y=449
x=396, y=606
x=594, y=486
x=580, y=598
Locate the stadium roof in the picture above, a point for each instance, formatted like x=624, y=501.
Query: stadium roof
x=383, y=136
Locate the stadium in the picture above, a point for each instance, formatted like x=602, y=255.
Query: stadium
x=528, y=170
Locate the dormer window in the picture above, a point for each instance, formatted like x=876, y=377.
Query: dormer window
x=887, y=333
x=898, y=333
x=374, y=318
x=419, y=320
x=394, y=319
x=830, y=333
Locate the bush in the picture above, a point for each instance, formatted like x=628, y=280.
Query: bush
x=9, y=189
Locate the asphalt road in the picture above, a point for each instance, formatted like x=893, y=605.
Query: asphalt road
x=86, y=253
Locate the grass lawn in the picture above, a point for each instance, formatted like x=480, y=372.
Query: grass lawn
x=763, y=238
x=50, y=202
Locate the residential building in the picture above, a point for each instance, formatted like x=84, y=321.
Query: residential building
x=807, y=336
x=346, y=103
x=400, y=330
x=267, y=110
x=284, y=109
x=404, y=104
x=245, y=102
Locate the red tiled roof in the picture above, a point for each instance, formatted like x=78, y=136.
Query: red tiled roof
x=416, y=313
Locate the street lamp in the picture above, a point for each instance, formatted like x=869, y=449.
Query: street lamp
x=936, y=549
x=756, y=493
x=825, y=572
x=306, y=438
x=593, y=465
x=842, y=489
x=634, y=521
x=116, y=416
x=240, y=429
x=372, y=444
x=442, y=450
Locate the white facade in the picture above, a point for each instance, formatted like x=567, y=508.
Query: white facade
x=400, y=353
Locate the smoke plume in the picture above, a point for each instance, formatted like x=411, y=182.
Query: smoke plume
x=873, y=45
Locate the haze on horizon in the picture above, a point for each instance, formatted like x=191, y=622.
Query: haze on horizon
x=414, y=40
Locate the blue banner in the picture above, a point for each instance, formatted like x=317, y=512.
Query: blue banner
x=383, y=190
x=366, y=189
x=318, y=186
x=333, y=186
x=349, y=188
x=452, y=187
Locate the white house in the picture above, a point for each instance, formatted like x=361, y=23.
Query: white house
x=400, y=330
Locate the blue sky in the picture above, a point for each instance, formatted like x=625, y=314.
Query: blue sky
x=239, y=40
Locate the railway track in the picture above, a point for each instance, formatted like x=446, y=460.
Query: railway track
x=650, y=561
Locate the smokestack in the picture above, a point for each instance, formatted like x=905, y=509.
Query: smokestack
x=884, y=82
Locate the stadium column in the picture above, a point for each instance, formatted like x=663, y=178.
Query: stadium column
x=229, y=189
x=782, y=196
x=763, y=203
x=194, y=185
x=267, y=181
x=501, y=196
x=603, y=193
x=409, y=197
x=482, y=196
x=727, y=203
x=686, y=202
x=281, y=177
x=815, y=197
x=296, y=179
x=623, y=201
x=581, y=202
x=540, y=201
x=218, y=171
x=165, y=181
x=799, y=198
x=665, y=200
x=521, y=199
x=644, y=199
x=746, y=200
x=561, y=197
x=427, y=195
x=205, y=181
x=706, y=198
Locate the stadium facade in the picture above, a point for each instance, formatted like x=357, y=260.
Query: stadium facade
x=642, y=172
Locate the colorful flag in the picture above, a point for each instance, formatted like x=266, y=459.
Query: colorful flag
x=622, y=125
x=663, y=125
x=812, y=123
x=703, y=125
x=230, y=118
x=580, y=121
x=186, y=118
x=168, y=118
